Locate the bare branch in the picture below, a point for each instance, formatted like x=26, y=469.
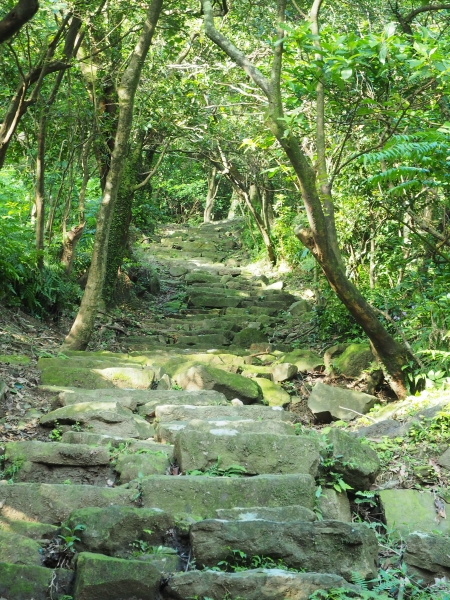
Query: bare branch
x=17, y=17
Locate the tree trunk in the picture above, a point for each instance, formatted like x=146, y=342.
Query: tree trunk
x=321, y=237
x=39, y=197
x=234, y=203
x=213, y=187
x=70, y=242
x=17, y=17
x=81, y=330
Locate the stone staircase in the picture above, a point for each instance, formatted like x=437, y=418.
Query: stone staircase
x=168, y=464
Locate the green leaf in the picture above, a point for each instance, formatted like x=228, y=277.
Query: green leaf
x=346, y=73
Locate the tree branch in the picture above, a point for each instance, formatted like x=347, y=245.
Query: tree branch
x=17, y=17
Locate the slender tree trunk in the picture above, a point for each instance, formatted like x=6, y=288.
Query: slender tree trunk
x=39, y=194
x=234, y=203
x=213, y=187
x=81, y=330
x=70, y=242
x=321, y=237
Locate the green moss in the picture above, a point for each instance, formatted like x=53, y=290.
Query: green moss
x=14, y=359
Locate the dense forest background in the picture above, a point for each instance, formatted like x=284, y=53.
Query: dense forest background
x=325, y=125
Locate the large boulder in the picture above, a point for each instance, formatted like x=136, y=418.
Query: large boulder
x=350, y=360
x=329, y=403
x=357, y=462
x=202, y=496
x=99, y=576
x=320, y=546
x=258, y=453
x=202, y=377
x=251, y=585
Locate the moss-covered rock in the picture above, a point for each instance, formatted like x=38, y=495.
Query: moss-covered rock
x=202, y=496
x=18, y=549
x=132, y=466
x=99, y=576
x=257, y=453
x=249, y=336
x=343, y=549
x=112, y=530
x=14, y=359
x=304, y=360
x=202, y=377
x=22, y=582
x=29, y=529
x=350, y=360
x=280, y=514
x=169, y=413
x=273, y=394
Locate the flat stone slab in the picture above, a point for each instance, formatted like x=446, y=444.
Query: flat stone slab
x=202, y=496
x=101, y=417
x=53, y=503
x=408, y=511
x=187, y=413
x=22, y=582
x=133, y=466
x=99, y=576
x=18, y=549
x=321, y=546
x=258, y=453
x=329, y=403
x=278, y=514
x=273, y=394
x=177, y=397
x=270, y=584
x=428, y=554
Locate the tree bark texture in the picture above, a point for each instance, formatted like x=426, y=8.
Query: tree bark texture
x=213, y=187
x=70, y=242
x=11, y=23
x=39, y=194
x=321, y=237
x=82, y=328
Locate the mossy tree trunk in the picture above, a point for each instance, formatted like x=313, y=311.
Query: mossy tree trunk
x=82, y=328
x=320, y=237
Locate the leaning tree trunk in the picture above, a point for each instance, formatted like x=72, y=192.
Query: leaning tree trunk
x=70, y=242
x=82, y=328
x=320, y=238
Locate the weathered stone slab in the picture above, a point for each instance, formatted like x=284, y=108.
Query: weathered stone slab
x=258, y=453
x=429, y=555
x=112, y=529
x=202, y=496
x=132, y=466
x=203, y=377
x=55, y=462
x=177, y=397
x=334, y=506
x=408, y=511
x=53, y=503
x=213, y=300
x=168, y=432
x=29, y=529
x=22, y=582
x=278, y=514
x=349, y=359
x=270, y=584
x=101, y=417
x=299, y=308
x=283, y=372
x=321, y=546
x=357, y=462
x=187, y=413
x=99, y=576
x=249, y=336
x=329, y=403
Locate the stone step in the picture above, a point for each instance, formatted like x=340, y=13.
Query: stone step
x=187, y=413
x=198, y=496
x=258, y=453
x=100, y=417
x=342, y=549
x=270, y=584
x=57, y=462
x=22, y=582
x=176, y=397
x=168, y=432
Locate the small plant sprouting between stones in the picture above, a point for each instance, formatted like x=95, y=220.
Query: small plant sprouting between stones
x=55, y=434
x=11, y=470
x=239, y=561
x=328, y=474
x=69, y=537
x=217, y=471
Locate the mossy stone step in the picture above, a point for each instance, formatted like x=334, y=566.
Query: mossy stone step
x=22, y=582
x=187, y=413
x=202, y=496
